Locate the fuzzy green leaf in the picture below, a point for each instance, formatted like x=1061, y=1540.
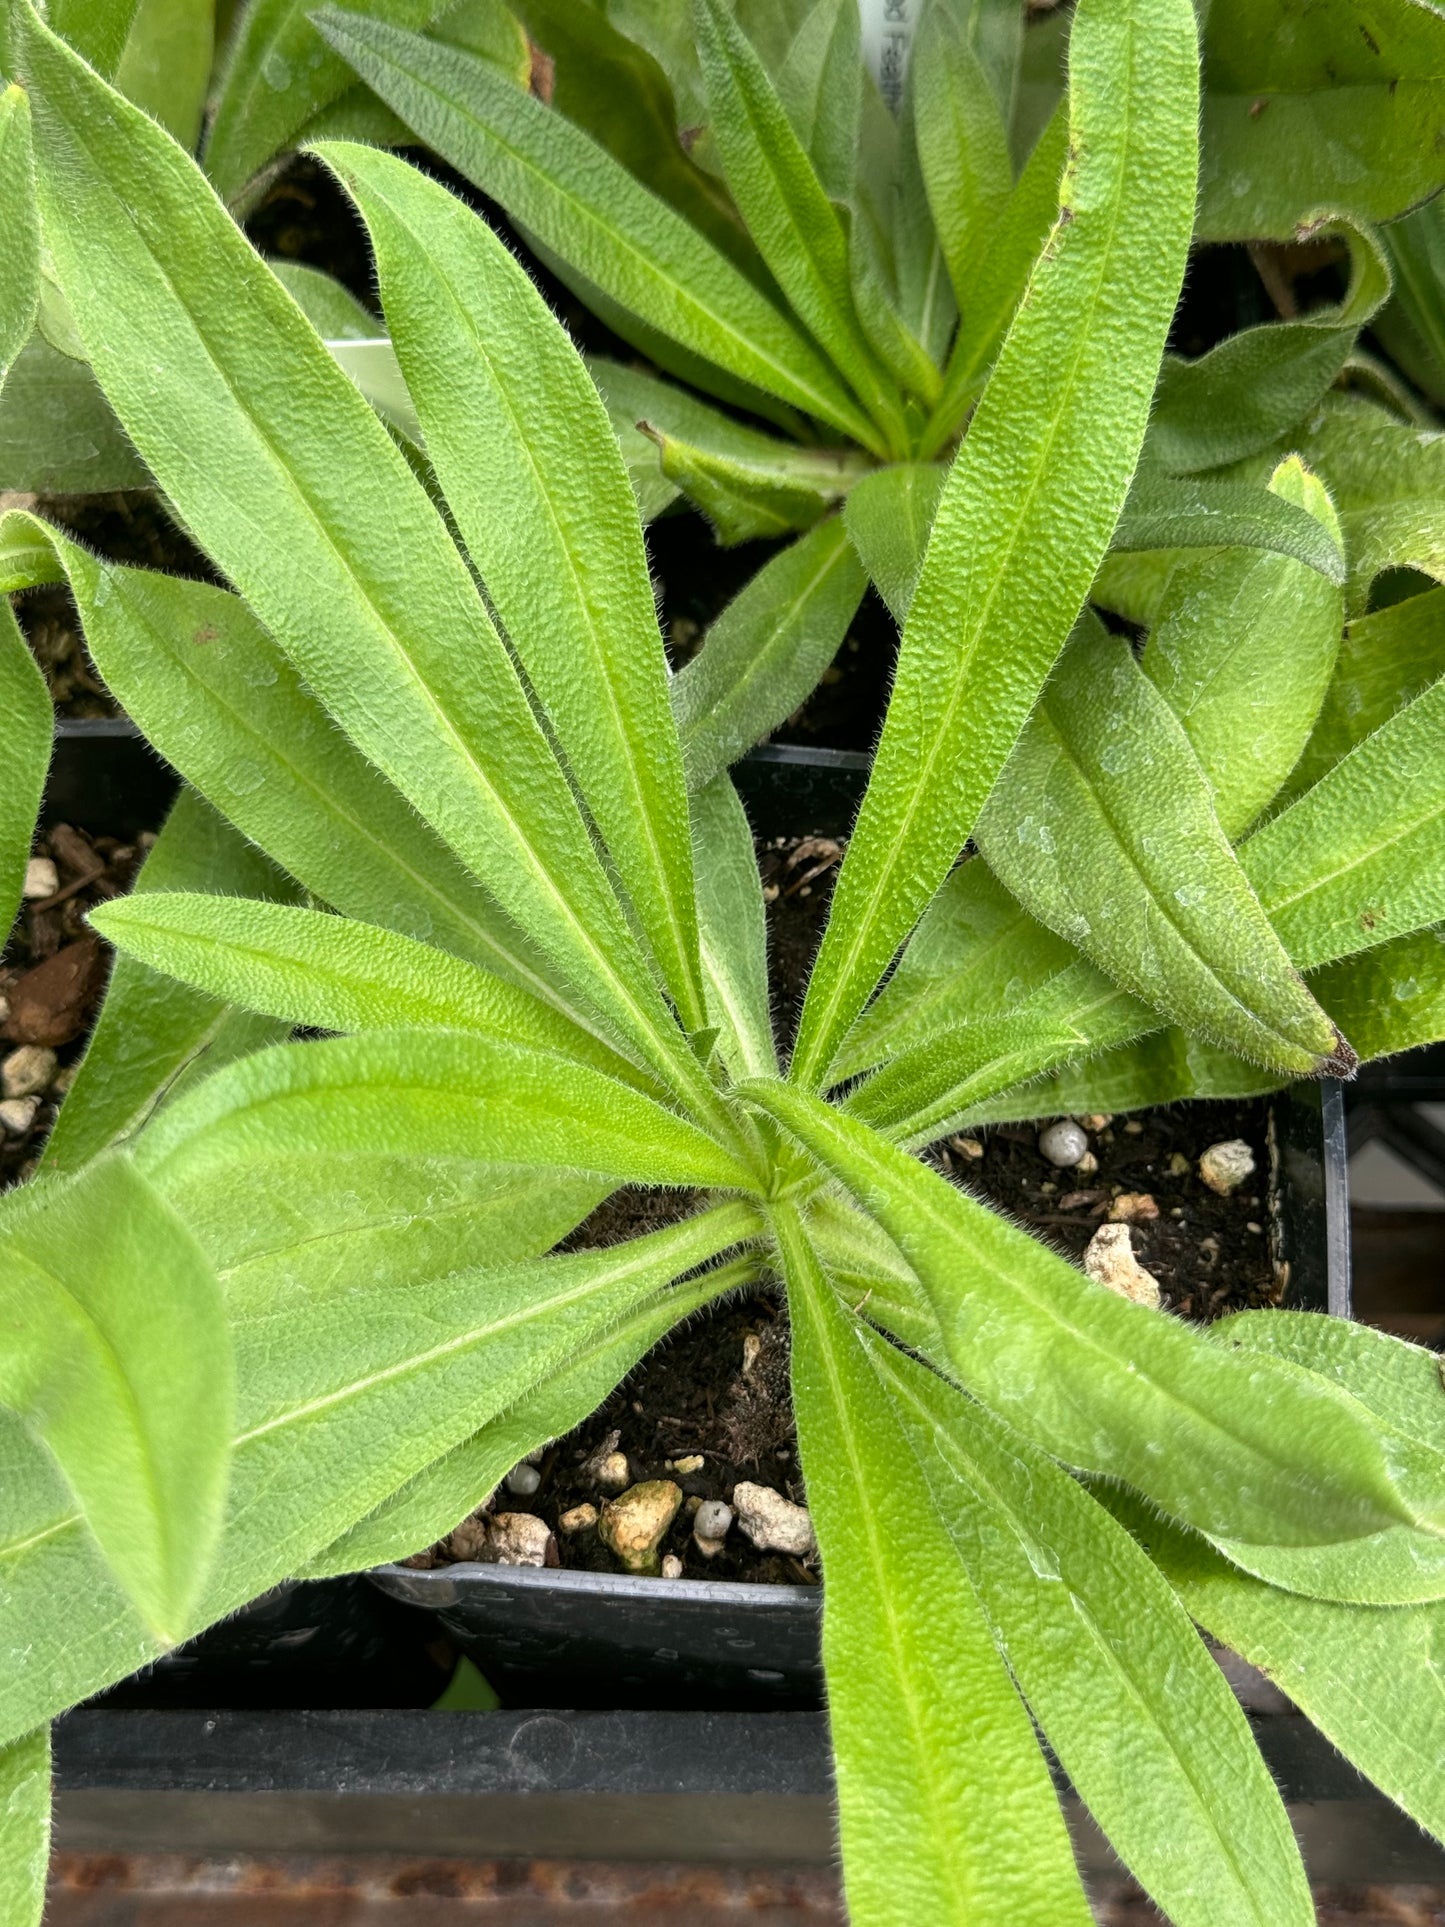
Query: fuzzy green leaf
x=820, y=85
x=1400, y=1385
x=118, y=1359
x=1032, y=498
x=1103, y=826
x=926, y=305
x=999, y=283
x=348, y=1390
x=787, y=211
x=29, y=727
x=58, y=433
x=19, y=228
x=24, y=1828
x=1367, y=1676
x=512, y=1103
x=570, y=193
x=279, y=73
x=1360, y=858
x=333, y=973
x=1385, y=661
x=1311, y=108
x=744, y=499
x=767, y=650
x=216, y=696
x=344, y=1224
x=888, y=516
x=1242, y=649
x=951, y=1075
x=1234, y=1444
x=1412, y=327
x=1390, y=998
x=166, y=65
x=751, y=474
x=1255, y=385
x=1165, y=1067
x=1127, y=1694
x=946, y=1810
x=154, y=1034
x=1164, y=513
x=962, y=147
x=405, y=658
x=97, y=29
x=732, y=930
x=429, y=1505
x=531, y=471
x=977, y=952
x=605, y=82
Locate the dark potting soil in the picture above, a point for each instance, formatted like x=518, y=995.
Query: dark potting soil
x=52, y=978
x=717, y=1388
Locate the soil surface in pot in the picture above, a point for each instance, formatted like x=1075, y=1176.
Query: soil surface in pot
x=52, y=977
x=717, y=1389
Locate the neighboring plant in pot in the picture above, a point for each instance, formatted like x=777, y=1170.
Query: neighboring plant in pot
x=242, y=85
x=545, y=959
x=721, y=182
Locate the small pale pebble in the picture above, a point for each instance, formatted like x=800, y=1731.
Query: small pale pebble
x=711, y=1525
x=521, y=1539
x=523, y=1480
x=635, y=1525
x=773, y=1523
x=692, y=1463
x=579, y=1518
x=1063, y=1143
x=1209, y=1249
x=62, y=1080
x=752, y=1352
x=4, y=1009
x=691, y=1503
x=1133, y=1207
x=1226, y=1165
x=1097, y=1120
x=1178, y=1165
x=42, y=879
x=17, y=1114
x=1133, y=1128
x=1110, y=1261
x=1176, y=1212
x=1047, y=1190
x=27, y=1071
x=1257, y=1229
x=966, y=1147
x=469, y=1541
x=1087, y=1166
x=672, y=1566
x=607, y=1466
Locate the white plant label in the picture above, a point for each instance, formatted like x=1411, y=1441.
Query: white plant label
x=888, y=27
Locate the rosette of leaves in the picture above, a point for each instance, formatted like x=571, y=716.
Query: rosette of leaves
x=721, y=183
x=536, y=952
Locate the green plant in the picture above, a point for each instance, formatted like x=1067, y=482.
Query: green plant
x=244, y=86
x=542, y=956
x=722, y=184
